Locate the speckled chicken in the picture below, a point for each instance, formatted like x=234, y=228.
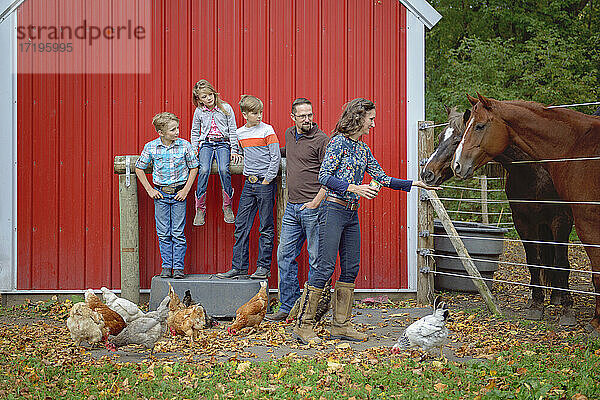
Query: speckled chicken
x=126, y=309
x=207, y=321
x=252, y=312
x=428, y=332
x=323, y=305
x=112, y=320
x=146, y=330
x=85, y=324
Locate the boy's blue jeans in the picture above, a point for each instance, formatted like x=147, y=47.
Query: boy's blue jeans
x=339, y=230
x=170, y=221
x=260, y=198
x=297, y=226
x=222, y=153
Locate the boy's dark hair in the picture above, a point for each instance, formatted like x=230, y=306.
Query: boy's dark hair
x=353, y=116
x=249, y=103
x=298, y=102
x=161, y=120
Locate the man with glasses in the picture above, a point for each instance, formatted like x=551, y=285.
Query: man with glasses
x=304, y=150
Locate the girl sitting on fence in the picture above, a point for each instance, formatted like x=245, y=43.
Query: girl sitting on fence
x=213, y=137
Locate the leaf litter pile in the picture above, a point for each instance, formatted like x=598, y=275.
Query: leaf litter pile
x=493, y=357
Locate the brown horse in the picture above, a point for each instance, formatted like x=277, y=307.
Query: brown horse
x=534, y=222
x=544, y=134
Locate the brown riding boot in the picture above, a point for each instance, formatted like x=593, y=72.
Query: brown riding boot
x=341, y=327
x=305, y=322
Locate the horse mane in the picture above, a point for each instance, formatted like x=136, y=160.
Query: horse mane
x=455, y=119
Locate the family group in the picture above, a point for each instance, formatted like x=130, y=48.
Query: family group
x=324, y=180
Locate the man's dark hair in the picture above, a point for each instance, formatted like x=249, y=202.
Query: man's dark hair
x=298, y=102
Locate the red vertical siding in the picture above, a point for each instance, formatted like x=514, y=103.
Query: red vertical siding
x=72, y=125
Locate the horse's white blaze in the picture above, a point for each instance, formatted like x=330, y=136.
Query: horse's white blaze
x=430, y=158
x=460, y=146
x=448, y=133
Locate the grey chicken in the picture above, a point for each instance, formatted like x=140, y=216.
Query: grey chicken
x=145, y=330
x=322, y=307
x=428, y=332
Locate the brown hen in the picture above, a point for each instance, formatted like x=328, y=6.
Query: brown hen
x=252, y=313
x=112, y=320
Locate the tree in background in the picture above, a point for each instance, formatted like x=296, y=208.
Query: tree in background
x=545, y=51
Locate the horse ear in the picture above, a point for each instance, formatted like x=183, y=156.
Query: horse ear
x=466, y=116
x=487, y=104
x=448, y=109
x=472, y=99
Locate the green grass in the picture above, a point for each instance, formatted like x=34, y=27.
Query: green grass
x=523, y=373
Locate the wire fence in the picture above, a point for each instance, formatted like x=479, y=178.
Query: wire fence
x=483, y=199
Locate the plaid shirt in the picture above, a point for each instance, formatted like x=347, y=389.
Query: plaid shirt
x=170, y=165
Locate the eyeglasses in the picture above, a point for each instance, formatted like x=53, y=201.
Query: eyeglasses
x=305, y=116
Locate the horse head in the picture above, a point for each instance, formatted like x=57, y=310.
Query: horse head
x=485, y=137
x=438, y=168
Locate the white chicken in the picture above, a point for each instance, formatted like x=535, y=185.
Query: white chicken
x=428, y=332
x=125, y=308
x=85, y=324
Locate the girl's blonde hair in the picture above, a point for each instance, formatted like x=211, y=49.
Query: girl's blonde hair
x=204, y=85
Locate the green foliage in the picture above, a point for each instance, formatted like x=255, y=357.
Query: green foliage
x=543, y=51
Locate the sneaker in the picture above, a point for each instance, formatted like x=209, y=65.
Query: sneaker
x=228, y=215
x=178, y=274
x=199, y=217
x=261, y=273
x=233, y=274
x=166, y=273
x=278, y=316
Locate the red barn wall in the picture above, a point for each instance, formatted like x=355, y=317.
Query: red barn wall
x=70, y=127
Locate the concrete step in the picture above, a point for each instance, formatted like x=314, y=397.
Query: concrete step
x=220, y=297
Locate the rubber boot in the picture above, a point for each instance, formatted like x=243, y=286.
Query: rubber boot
x=228, y=215
x=305, y=323
x=200, y=216
x=341, y=327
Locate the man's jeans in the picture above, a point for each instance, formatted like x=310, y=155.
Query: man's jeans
x=170, y=221
x=297, y=226
x=339, y=229
x=255, y=197
x=222, y=152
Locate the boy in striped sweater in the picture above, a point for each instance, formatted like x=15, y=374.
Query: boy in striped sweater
x=262, y=157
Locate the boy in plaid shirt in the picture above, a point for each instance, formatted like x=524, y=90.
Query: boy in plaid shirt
x=175, y=167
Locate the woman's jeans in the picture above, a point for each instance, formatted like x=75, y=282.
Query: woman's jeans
x=169, y=215
x=222, y=153
x=339, y=230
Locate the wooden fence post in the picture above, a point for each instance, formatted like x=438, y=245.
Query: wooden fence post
x=425, y=281
x=282, y=198
x=129, y=232
x=462, y=252
x=484, y=203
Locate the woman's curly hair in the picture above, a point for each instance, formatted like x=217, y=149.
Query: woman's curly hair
x=353, y=117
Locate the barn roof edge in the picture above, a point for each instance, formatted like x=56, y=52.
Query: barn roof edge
x=423, y=11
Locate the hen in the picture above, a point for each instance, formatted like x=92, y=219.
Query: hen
x=428, y=332
x=112, y=320
x=126, y=309
x=145, y=330
x=207, y=320
x=182, y=320
x=164, y=305
x=85, y=324
x=252, y=313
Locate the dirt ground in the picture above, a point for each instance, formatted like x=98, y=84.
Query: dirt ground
x=475, y=334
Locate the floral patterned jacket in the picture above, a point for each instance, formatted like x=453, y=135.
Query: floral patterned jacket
x=346, y=162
